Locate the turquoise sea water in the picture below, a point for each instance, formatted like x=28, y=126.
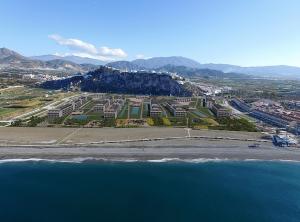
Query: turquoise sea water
x=114, y=191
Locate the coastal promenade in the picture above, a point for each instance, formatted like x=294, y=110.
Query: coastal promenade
x=88, y=136
x=137, y=144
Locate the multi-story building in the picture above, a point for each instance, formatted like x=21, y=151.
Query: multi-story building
x=113, y=110
x=77, y=103
x=121, y=102
x=67, y=108
x=100, y=106
x=54, y=113
x=98, y=96
x=83, y=99
x=268, y=118
x=176, y=110
x=220, y=111
x=183, y=99
x=155, y=110
x=110, y=113
x=260, y=114
x=240, y=105
x=63, y=110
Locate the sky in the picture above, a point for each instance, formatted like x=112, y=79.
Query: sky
x=239, y=32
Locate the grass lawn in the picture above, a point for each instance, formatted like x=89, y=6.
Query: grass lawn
x=205, y=111
x=177, y=121
x=146, y=110
x=124, y=112
x=4, y=111
x=200, y=114
x=210, y=122
x=95, y=116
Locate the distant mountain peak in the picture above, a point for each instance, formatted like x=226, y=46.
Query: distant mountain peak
x=71, y=58
x=5, y=52
x=12, y=59
x=155, y=62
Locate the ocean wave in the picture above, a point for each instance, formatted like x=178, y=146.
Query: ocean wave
x=163, y=160
x=37, y=160
x=198, y=160
x=72, y=160
x=206, y=160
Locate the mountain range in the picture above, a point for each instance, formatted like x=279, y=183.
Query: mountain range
x=76, y=64
x=12, y=60
x=282, y=71
x=74, y=59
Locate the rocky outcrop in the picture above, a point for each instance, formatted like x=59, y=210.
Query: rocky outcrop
x=107, y=80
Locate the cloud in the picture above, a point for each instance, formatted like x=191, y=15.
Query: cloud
x=105, y=51
x=74, y=44
x=85, y=49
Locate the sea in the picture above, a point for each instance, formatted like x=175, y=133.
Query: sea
x=197, y=190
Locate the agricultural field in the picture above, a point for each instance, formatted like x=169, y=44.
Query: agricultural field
x=20, y=100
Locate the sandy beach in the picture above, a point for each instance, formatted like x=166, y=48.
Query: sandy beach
x=137, y=144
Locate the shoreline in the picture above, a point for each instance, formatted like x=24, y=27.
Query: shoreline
x=164, y=160
x=187, y=149
x=138, y=145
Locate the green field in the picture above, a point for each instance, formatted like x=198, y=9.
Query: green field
x=200, y=114
x=4, y=111
x=146, y=110
x=205, y=111
x=123, y=114
x=94, y=116
x=17, y=101
x=177, y=121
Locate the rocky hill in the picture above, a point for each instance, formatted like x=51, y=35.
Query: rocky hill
x=107, y=80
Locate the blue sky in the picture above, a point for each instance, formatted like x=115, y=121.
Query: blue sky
x=241, y=32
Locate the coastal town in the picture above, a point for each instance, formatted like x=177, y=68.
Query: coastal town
x=109, y=97
x=205, y=112
x=150, y=111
